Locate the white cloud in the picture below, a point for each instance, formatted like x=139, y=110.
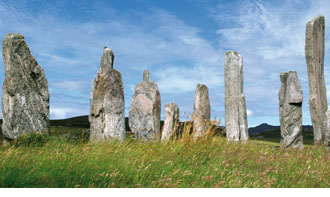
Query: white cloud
x=249, y=112
x=65, y=112
x=270, y=31
x=184, y=79
x=70, y=85
x=176, y=55
x=271, y=38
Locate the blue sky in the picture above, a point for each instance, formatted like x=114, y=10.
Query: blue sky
x=182, y=43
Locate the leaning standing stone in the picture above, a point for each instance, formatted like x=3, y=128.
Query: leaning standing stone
x=235, y=107
x=107, y=114
x=144, y=114
x=290, y=99
x=25, y=95
x=171, y=123
x=201, y=114
x=314, y=50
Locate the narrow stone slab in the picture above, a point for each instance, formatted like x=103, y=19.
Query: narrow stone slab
x=235, y=106
x=314, y=50
x=25, y=95
x=202, y=111
x=326, y=129
x=107, y=113
x=171, y=123
x=290, y=102
x=144, y=114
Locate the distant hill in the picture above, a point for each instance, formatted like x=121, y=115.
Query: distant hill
x=270, y=131
x=82, y=122
x=264, y=130
x=264, y=127
x=79, y=121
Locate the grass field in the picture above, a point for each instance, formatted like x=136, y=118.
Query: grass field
x=66, y=159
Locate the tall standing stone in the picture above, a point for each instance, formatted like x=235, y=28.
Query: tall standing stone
x=107, y=113
x=290, y=100
x=171, y=123
x=25, y=95
x=235, y=107
x=314, y=50
x=202, y=111
x=144, y=114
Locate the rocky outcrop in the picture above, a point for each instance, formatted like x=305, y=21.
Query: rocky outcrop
x=25, y=95
x=171, y=123
x=235, y=107
x=107, y=112
x=144, y=114
x=314, y=50
x=290, y=100
x=202, y=111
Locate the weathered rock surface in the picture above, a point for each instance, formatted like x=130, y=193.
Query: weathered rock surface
x=107, y=113
x=290, y=101
x=171, y=123
x=326, y=129
x=235, y=107
x=202, y=111
x=314, y=50
x=144, y=114
x=25, y=95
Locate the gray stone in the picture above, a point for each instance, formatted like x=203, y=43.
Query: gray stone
x=25, y=95
x=202, y=111
x=235, y=107
x=326, y=129
x=144, y=114
x=171, y=123
x=107, y=113
x=314, y=50
x=290, y=101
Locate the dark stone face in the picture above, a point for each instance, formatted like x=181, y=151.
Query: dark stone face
x=171, y=123
x=314, y=50
x=144, y=114
x=290, y=100
x=202, y=111
x=107, y=115
x=235, y=107
x=25, y=95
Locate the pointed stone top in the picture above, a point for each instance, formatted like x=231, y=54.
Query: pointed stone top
x=284, y=75
x=200, y=85
x=146, y=75
x=233, y=52
x=14, y=39
x=319, y=17
x=294, y=90
x=15, y=35
x=106, y=60
x=171, y=104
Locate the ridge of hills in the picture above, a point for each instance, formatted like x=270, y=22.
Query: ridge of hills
x=264, y=129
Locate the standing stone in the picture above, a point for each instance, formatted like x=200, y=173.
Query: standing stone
x=25, y=95
x=171, y=123
x=144, y=114
x=290, y=99
x=202, y=111
x=314, y=50
x=235, y=107
x=107, y=113
x=326, y=129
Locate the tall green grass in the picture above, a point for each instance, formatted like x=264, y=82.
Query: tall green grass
x=208, y=162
